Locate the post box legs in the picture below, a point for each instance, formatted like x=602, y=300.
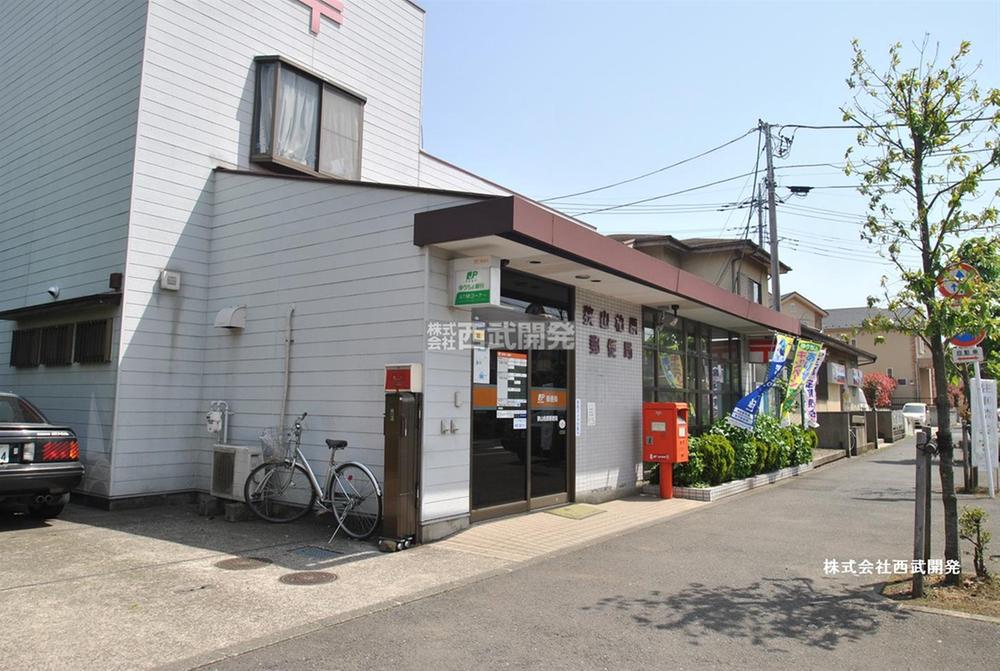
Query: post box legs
x=666, y=480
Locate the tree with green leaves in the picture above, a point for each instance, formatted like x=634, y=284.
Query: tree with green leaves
x=984, y=254
x=927, y=139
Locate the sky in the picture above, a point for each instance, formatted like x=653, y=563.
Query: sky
x=553, y=97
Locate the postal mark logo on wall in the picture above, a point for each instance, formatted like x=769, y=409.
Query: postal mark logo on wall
x=331, y=9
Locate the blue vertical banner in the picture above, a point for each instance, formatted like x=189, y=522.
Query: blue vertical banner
x=744, y=415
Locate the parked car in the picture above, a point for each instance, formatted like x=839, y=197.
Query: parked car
x=916, y=413
x=39, y=461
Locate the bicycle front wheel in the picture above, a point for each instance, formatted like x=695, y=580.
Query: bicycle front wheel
x=356, y=500
x=279, y=492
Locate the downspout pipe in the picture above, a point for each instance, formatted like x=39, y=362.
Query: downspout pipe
x=288, y=360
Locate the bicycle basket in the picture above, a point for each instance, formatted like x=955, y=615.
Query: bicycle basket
x=274, y=446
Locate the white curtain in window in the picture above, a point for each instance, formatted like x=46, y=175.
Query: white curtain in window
x=340, y=135
x=297, y=114
x=265, y=107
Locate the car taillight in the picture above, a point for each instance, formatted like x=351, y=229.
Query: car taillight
x=61, y=450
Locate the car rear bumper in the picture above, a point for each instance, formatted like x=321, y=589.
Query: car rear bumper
x=24, y=479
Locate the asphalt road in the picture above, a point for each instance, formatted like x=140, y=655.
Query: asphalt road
x=739, y=584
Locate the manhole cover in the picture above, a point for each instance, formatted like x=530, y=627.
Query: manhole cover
x=242, y=563
x=307, y=578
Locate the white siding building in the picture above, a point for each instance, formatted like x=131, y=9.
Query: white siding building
x=271, y=158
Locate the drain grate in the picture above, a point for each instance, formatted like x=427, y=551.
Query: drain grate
x=307, y=578
x=316, y=552
x=242, y=563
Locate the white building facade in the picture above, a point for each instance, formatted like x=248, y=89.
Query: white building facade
x=268, y=155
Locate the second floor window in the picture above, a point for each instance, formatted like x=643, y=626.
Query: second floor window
x=304, y=123
x=754, y=291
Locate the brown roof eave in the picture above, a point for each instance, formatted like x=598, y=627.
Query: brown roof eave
x=521, y=220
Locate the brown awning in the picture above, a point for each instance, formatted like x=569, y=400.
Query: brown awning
x=543, y=242
x=59, y=307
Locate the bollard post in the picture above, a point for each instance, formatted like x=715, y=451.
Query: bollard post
x=666, y=480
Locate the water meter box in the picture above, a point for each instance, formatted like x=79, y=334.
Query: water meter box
x=665, y=432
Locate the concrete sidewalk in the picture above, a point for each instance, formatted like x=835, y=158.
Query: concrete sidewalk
x=144, y=588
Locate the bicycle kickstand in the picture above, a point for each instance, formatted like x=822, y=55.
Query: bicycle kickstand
x=340, y=525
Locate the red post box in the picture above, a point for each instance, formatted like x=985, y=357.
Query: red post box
x=665, y=440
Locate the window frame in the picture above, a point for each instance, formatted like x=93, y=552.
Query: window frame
x=30, y=338
x=273, y=160
x=756, y=290
x=57, y=341
x=105, y=344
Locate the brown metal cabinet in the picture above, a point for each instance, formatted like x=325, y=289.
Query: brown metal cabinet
x=402, y=465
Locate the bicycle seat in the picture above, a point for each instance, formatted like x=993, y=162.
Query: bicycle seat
x=336, y=444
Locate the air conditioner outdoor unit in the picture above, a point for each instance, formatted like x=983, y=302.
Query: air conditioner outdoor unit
x=231, y=464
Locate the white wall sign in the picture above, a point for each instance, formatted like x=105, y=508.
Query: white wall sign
x=474, y=281
x=579, y=417
x=591, y=413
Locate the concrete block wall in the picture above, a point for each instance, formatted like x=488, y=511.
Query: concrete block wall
x=608, y=454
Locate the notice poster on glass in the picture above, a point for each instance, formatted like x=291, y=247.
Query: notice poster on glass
x=512, y=383
x=480, y=365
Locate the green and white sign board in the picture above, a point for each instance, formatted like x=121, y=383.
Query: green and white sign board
x=475, y=281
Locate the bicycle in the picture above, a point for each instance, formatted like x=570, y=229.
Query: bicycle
x=286, y=490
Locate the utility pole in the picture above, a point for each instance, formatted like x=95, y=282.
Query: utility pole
x=760, y=215
x=772, y=211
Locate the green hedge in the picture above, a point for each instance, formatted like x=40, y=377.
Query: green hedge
x=726, y=453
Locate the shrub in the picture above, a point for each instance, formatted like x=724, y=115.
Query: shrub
x=691, y=474
x=718, y=456
x=970, y=528
x=878, y=388
x=786, y=446
x=762, y=450
x=771, y=439
x=806, y=442
x=743, y=448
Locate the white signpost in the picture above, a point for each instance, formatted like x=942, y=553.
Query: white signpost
x=984, y=427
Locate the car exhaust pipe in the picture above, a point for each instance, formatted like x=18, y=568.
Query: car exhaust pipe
x=43, y=499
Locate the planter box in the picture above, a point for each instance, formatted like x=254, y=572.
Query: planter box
x=732, y=487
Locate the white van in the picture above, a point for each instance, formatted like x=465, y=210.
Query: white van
x=916, y=412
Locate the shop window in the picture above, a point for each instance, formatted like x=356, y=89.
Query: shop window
x=25, y=348
x=304, y=123
x=57, y=345
x=693, y=363
x=535, y=296
x=93, y=342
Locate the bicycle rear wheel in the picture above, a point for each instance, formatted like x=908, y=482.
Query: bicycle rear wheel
x=356, y=500
x=279, y=492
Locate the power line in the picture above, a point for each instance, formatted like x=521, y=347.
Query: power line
x=855, y=186
x=878, y=125
x=746, y=229
x=666, y=195
x=653, y=172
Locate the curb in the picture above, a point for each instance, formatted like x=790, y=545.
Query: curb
x=903, y=605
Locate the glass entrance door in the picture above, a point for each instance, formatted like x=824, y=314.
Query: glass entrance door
x=520, y=429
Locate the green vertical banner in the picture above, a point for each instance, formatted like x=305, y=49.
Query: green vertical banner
x=804, y=362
